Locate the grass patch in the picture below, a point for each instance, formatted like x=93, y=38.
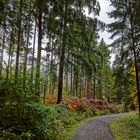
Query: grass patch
x=126, y=128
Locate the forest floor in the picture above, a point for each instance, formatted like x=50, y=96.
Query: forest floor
x=98, y=129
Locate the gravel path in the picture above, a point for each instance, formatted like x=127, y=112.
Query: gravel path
x=97, y=129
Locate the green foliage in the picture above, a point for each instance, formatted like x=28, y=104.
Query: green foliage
x=125, y=30
x=126, y=128
x=20, y=113
x=87, y=113
x=22, y=117
x=98, y=112
x=114, y=108
x=9, y=134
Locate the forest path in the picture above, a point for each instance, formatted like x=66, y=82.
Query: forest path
x=98, y=129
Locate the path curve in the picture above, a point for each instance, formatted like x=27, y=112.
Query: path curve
x=98, y=129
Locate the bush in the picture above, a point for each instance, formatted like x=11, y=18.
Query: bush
x=28, y=117
x=9, y=134
x=22, y=117
x=115, y=108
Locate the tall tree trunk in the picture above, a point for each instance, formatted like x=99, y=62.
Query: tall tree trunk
x=46, y=84
x=135, y=56
x=67, y=78
x=99, y=89
x=19, y=40
x=60, y=80
x=85, y=85
x=62, y=58
x=26, y=50
x=67, y=75
x=94, y=89
x=76, y=83
x=37, y=85
x=51, y=67
x=137, y=75
x=88, y=88
x=32, y=67
x=9, y=57
x=80, y=82
x=71, y=79
x=2, y=50
x=73, y=91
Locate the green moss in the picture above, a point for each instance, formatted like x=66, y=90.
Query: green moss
x=126, y=128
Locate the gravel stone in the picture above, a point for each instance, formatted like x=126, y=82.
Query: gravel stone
x=98, y=129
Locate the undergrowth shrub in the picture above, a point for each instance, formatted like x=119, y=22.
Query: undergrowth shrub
x=22, y=117
x=115, y=108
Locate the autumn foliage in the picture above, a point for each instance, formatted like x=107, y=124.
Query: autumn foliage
x=76, y=103
x=51, y=100
x=79, y=104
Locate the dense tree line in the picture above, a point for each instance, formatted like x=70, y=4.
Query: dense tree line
x=50, y=47
x=126, y=30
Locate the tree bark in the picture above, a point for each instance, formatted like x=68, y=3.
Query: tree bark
x=62, y=58
x=2, y=51
x=19, y=41
x=9, y=57
x=26, y=50
x=37, y=85
x=135, y=56
x=88, y=88
x=32, y=69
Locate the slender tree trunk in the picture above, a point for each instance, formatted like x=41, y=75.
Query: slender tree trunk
x=67, y=76
x=76, y=83
x=137, y=78
x=71, y=80
x=137, y=75
x=19, y=41
x=26, y=51
x=25, y=64
x=51, y=67
x=37, y=85
x=88, y=88
x=60, y=81
x=99, y=89
x=62, y=58
x=85, y=86
x=45, y=85
x=44, y=94
x=135, y=57
x=94, y=89
x=73, y=91
x=32, y=69
x=2, y=51
x=80, y=87
x=9, y=57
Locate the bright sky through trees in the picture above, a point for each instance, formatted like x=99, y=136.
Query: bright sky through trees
x=105, y=7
